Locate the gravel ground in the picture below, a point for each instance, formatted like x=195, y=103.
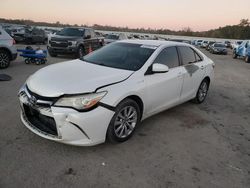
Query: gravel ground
x=191, y=145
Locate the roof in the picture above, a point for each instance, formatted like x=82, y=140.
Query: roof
x=154, y=42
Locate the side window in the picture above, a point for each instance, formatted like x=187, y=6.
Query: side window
x=169, y=57
x=187, y=55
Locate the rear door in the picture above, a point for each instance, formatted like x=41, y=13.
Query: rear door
x=194, y=71
x=163, y=89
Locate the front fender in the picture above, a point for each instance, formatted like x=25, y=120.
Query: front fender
x=118, y=92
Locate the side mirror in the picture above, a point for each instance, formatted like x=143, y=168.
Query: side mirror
x=246, y=45
x=87, y=37
x=159, y=68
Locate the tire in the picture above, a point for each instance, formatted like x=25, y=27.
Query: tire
x=27, y=61
x=38, y=62
x=247, y=59
x=32, y=60
x=4, y=59
x=52, y=54
x=202, y=92
x=123, y=124
x=80, y=52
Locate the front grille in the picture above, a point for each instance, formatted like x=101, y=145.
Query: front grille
x=42, y=98
x=44, y=123
x=59, y=44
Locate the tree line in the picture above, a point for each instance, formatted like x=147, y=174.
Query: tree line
x=239, y=31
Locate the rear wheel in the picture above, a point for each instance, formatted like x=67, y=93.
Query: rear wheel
x=202, y=92
x=4, y=59
x=124, y=122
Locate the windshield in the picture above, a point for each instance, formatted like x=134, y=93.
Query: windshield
x=121, y=55
x=114, y=37
x=219, y=45
x=71, y=32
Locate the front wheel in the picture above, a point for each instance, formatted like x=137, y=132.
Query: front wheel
x=4, y=59
x=124, y=121
x=52, y=54
x=202, y=92
x=80, y=52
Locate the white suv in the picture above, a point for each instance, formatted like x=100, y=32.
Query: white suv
x=8, y=52
x=108, y=92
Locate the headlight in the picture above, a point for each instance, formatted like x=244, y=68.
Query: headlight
x=81, y=102
x=73, y=43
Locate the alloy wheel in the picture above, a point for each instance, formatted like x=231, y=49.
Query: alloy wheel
x=125, y=121
x=202, y=93
x=4, y=60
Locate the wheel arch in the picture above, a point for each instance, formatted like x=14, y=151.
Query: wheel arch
x=138, y=100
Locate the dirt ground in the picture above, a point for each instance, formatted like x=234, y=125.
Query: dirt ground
x=191, y=145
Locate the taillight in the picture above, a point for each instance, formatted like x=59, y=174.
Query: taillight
x=13, y=41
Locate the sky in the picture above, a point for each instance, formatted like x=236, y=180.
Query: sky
x=199, y=15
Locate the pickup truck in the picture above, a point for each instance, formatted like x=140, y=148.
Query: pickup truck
x=243, y=51
x=78, y=41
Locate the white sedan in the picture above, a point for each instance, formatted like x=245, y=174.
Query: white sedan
x=106, y=94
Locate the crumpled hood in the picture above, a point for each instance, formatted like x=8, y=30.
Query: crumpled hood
x=73, y=77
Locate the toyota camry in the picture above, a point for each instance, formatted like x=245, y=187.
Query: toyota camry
x=107, y=93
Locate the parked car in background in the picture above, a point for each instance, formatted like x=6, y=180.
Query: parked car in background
x=114, y=37
x=243, y=51
x=210, y=43
x=35, y=36
x=108, y=92
x=31, y=36
x=227, y=44
x=74, y=40
x=204, y=44
x=235, y=44
x=218, y=48
x=198, y=43
x=8, y=51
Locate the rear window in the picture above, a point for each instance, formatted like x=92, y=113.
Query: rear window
x=78, y=32
x=121, y=55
